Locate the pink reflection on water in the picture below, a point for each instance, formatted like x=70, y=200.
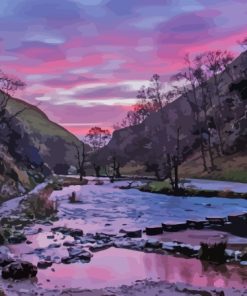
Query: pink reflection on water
x=114, y=267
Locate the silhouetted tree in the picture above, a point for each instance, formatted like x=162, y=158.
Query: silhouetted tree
x=81, y=159
x=97, y=138
x=8, y=86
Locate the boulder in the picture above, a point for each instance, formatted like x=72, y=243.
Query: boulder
x=154, y=230
x=19, y=270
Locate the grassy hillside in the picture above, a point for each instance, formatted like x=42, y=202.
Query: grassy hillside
x=38, y=121
x=56, y=144
x=229, y=168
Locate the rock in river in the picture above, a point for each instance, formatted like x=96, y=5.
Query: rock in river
x=69, y=231
x=44, y=264
x=19, y=270
x=154, y=230
x=17, y=238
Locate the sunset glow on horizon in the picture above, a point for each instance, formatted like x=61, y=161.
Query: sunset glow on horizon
x=84, y=60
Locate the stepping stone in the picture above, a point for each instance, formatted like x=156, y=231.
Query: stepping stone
x=44, y=264
x=197, y=224
x=216, y=220
x=237, y=218
x=132, y=232
x=154, y=230
x=100, y=247
x=174, y=226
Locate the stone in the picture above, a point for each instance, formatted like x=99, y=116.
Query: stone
x=68, y=260
x=5, y=260
x=196, y=224
x=19, y=270
x=17, y=238
x=174, y=226
x=69, y=231
x=216, y=220
x=79, y=254
x=69, y=244
x=154, y=230
x=44, y=264
x=153, y=244
x=237, y=218
x=100, y=247
x=54, y=245
x=132, y=232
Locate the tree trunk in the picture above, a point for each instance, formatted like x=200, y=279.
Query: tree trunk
x=97, y=170
x=176, y=187
x=118, y=174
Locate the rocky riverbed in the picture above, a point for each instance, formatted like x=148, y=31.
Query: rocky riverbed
x=110, y=237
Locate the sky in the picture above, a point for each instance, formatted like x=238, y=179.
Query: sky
x=84, y=60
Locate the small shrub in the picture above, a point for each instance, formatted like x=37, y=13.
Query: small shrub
x=214, y=252
x=99, y=182
x=72, y=197
x=2, y=237
x=39, y=205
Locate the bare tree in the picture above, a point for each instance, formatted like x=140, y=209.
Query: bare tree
x=189, y=83
x=81, y=158
x=172, y=164
x=8, y=86
x=216, y=62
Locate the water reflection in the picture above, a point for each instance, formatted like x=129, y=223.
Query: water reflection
x=114, y=267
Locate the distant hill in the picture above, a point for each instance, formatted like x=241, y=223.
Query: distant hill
x=144, y=143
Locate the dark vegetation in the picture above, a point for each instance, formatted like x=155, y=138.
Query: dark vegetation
x=214, y=253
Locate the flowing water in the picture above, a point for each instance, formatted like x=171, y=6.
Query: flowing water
x=106, y=208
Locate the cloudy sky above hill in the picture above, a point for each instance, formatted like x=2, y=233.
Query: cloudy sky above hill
x=84, y=60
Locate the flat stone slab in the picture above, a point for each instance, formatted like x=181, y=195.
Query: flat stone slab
x=237, y=217
x=196, y=223
x=132, y=232
x=174, y=226
x=100, y=247
x=216, y=220
x=154, y=230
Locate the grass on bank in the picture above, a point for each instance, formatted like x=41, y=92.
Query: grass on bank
x=164, y=187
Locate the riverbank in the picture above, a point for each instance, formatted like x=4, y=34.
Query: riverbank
x=139, y=288
x=196, y=187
